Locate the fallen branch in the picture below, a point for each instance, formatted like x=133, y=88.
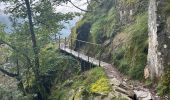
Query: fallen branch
x=79, y=7
x=8, y=73
x=14, y=48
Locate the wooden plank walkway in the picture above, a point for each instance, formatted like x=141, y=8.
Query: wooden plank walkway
x=113, y=73
x=110, y=70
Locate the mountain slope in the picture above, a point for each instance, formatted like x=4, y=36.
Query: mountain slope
x=121, y=26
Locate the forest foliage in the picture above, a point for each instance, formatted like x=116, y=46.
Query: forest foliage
x=34, y=60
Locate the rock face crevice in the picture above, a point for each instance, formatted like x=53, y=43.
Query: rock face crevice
x=83, y=34
x=158, y=25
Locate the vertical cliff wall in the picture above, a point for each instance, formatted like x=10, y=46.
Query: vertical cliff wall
x=121, y=26
x=154, y=63
x=159, y=37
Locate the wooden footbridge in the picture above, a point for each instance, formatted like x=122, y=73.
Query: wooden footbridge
x=115, y=78
x=111, y=71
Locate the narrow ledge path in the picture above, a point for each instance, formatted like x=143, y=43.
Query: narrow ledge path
x=115, y=78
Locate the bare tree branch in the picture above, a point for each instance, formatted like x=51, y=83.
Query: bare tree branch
x=89, y=4
x=16, y=7
x=38, y=21
x=8, y=73
x=14, y=48
x=97, y=1
x=79, y=7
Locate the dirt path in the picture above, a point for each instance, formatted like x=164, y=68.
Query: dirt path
x=118, y=81
x=139, y=88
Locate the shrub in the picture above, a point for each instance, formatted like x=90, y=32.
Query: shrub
x=84, y=85
x=163, y=87
x=101, y=86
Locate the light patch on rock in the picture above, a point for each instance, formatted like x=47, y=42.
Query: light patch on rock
x=168, y=63
x=143, y=95
x=114, y=81
x=111, y=96
x=131, y=12
x=165, y=46
x=146, y=73
x=159, y=53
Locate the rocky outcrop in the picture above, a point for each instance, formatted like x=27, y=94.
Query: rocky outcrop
x=159, y=37
x=127, y=9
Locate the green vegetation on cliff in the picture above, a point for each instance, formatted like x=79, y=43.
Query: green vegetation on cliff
x=127, y=34
x=163, y=87
x=102, y=21
x=131, y=58
x=86, y=85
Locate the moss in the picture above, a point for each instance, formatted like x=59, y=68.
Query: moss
x=58, y=95
x=103, y=26
x=129, y=2
x=121, y=98
x=166, y=9
x=89, y=77
x=29, y=82
x=101, y=86
x=148, y=82
x=104, y=13
x=5, y=53
x=79, y=93
x=131, y=58
x=83, y=86
x=135, y=53
x=163, y=87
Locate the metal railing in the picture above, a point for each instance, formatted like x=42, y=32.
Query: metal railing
x=68, y=43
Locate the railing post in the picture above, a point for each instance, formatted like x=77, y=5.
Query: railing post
x=100, y=55
x=65, y=43
x=71, y=46
x=88, y=57
x=88, y=60
x=55, y=37
x=59, y=42
x=78, y=47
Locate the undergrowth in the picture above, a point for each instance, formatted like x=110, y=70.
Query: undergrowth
x=132, y=57
x=86, y=84
x=163, y=87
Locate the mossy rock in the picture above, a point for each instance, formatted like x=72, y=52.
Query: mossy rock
x=101, y=86
x=71, y=94
x=166, y=9
x=78, y=95
x=163, y=87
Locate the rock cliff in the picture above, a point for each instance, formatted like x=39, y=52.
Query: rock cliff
x=121, y=27
x=159, y=37
x=135, y=35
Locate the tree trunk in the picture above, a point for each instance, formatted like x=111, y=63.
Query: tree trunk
x=34, y=43
x=40, y=88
